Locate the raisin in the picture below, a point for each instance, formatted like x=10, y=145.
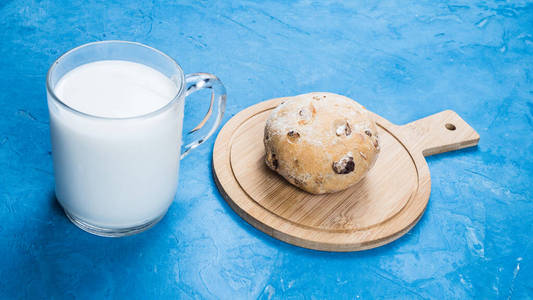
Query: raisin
x=344, y=128
x=368, y=132
x=376, y=144
x=348, y=129
x=272, y=161
x=293, y=134
x=344, y=166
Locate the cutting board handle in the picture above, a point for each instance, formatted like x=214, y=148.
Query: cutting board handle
x=438, y=133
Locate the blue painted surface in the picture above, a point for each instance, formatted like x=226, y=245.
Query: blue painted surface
x=402, y=60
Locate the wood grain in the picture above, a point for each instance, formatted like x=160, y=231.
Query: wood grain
x=379, y=209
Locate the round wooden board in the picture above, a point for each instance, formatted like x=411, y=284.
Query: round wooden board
x=379, y=209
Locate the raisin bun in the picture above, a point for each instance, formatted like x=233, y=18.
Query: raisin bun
x=321, y=142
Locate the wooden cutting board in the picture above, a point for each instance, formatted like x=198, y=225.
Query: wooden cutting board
x=386, y=204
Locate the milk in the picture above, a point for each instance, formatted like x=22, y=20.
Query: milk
x=115, y=88
x=120, y=171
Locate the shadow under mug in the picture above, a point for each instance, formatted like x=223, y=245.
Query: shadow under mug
x=118, y=176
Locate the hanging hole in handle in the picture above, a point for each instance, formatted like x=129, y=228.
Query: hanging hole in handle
x=450, y=126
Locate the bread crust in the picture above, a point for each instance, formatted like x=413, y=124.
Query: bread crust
x=321, y=142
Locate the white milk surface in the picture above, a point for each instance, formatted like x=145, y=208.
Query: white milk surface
x=116, y=173
x=115, y=88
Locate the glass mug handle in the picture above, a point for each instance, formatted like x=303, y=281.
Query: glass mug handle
x=199, y=81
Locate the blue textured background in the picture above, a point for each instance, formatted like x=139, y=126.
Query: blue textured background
x=402, y=60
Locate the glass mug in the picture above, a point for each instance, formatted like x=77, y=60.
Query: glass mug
x=117, y=176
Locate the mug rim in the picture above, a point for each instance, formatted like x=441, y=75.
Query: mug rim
x=84, y=114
